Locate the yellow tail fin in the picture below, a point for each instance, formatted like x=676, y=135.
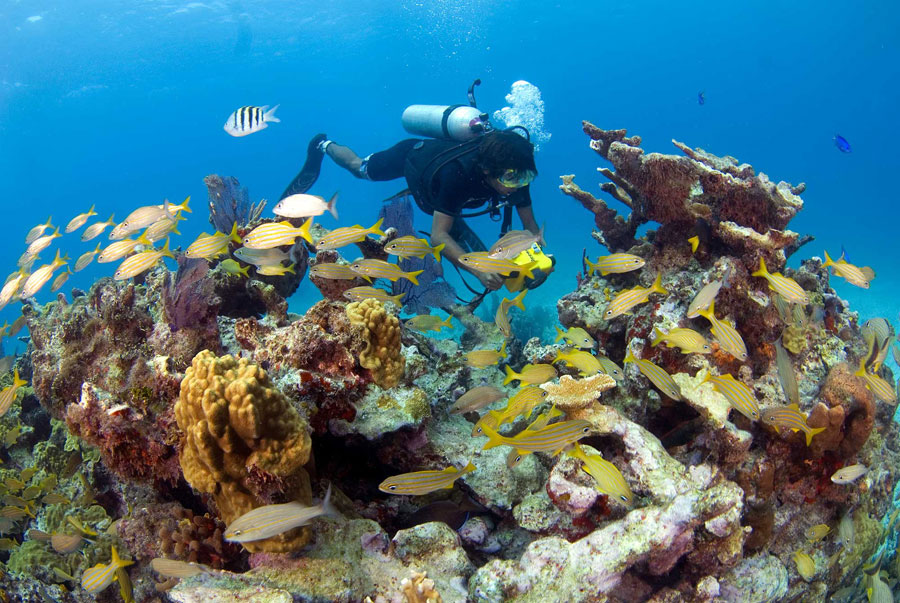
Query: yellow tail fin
x=511, y=375
x=811, y=433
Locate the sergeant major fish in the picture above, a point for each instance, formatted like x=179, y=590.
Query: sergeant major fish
x=250, y=119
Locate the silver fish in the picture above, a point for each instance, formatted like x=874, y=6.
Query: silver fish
x=250, y=119
x=849, y=474
x=786, y=374
x=271, y=520
x=476, y=398
x=515, y=242
x=173, y=568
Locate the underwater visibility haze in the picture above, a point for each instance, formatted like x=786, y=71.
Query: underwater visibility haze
x=256, y=347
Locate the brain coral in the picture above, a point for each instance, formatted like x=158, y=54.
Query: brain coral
x=382, y=332
x=243, y=442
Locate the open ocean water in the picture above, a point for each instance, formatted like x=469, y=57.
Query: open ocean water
x=121, y=104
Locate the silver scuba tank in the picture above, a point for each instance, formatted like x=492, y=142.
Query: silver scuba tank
x=458, y=122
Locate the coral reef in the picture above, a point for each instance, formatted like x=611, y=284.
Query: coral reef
x=243, y=442
x=229, y=202
x=382, y=334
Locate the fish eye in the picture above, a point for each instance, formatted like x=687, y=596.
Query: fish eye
x=623, y=497
x=544, y=394
x=586, y=430
x=237, y=532
x=392, y=487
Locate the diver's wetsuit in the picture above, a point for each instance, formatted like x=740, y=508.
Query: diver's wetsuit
x=457, y=185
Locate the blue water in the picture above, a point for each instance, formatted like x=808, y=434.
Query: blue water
x=119, y=107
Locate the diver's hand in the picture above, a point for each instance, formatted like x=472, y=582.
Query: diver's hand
x=490, y=281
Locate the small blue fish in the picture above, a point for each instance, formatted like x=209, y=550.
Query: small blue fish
x=841, y=143
x=701, y=99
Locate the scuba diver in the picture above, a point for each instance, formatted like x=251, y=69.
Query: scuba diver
x=465, y=165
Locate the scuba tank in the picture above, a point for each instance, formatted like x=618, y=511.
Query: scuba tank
x=456, y=122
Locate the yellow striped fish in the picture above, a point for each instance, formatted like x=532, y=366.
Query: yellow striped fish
x=12, y=286
x=79, y=220
x=806, y=567
x=86, y=258
x=875, y=384
x=490, y=419
x=625, y=300
x=687, y=340
x=576, y=336
x=785, y=286
x=348, y=234
x=100, y=576
x=586, y=363
x=617, y=263
x=738, y=395
x=607, y=477
x=485, y=358
x=542, y=420
x=515, y=242
x=791, y=418
x=501, y=318
x=140, y=218
x=95, y=229
x=8, y=395
x=429, y=322
x=728, y=337
x=552, y=438
x=852, y=274
x=208, y=246
x=333, y=271
x=480, y=261
x=611, y=368
x=523, y=403
x=412, y=247
x=849, y=474
x=372, y=268
x=272, y=520
x=276, y=234
x=418, y=483
x=119, y=249
x=41, y=243
x=26, y=261
x=37, y=231
x=275, y=270
x=141, y=262
x=60, y=280
x=531, y=373
x=659, y=377
x=161, y=229
x=39, y=277
x=361, y=293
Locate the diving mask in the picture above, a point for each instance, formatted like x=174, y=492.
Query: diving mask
x=516, y=178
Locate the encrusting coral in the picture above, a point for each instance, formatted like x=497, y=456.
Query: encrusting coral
x=382, y=354
x=243, y=442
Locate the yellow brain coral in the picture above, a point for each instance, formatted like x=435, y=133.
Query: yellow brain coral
x=382, y=355
x=241, y=436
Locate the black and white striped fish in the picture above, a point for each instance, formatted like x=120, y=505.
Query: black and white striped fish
x=248, y=120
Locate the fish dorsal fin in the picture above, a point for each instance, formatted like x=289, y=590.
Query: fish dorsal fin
x=795, y=407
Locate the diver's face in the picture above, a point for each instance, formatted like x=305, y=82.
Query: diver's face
x=495, y=184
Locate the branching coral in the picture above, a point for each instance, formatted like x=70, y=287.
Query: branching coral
x=243, y=442
x=569, y=393
x=382, y=332
x=745, y=210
